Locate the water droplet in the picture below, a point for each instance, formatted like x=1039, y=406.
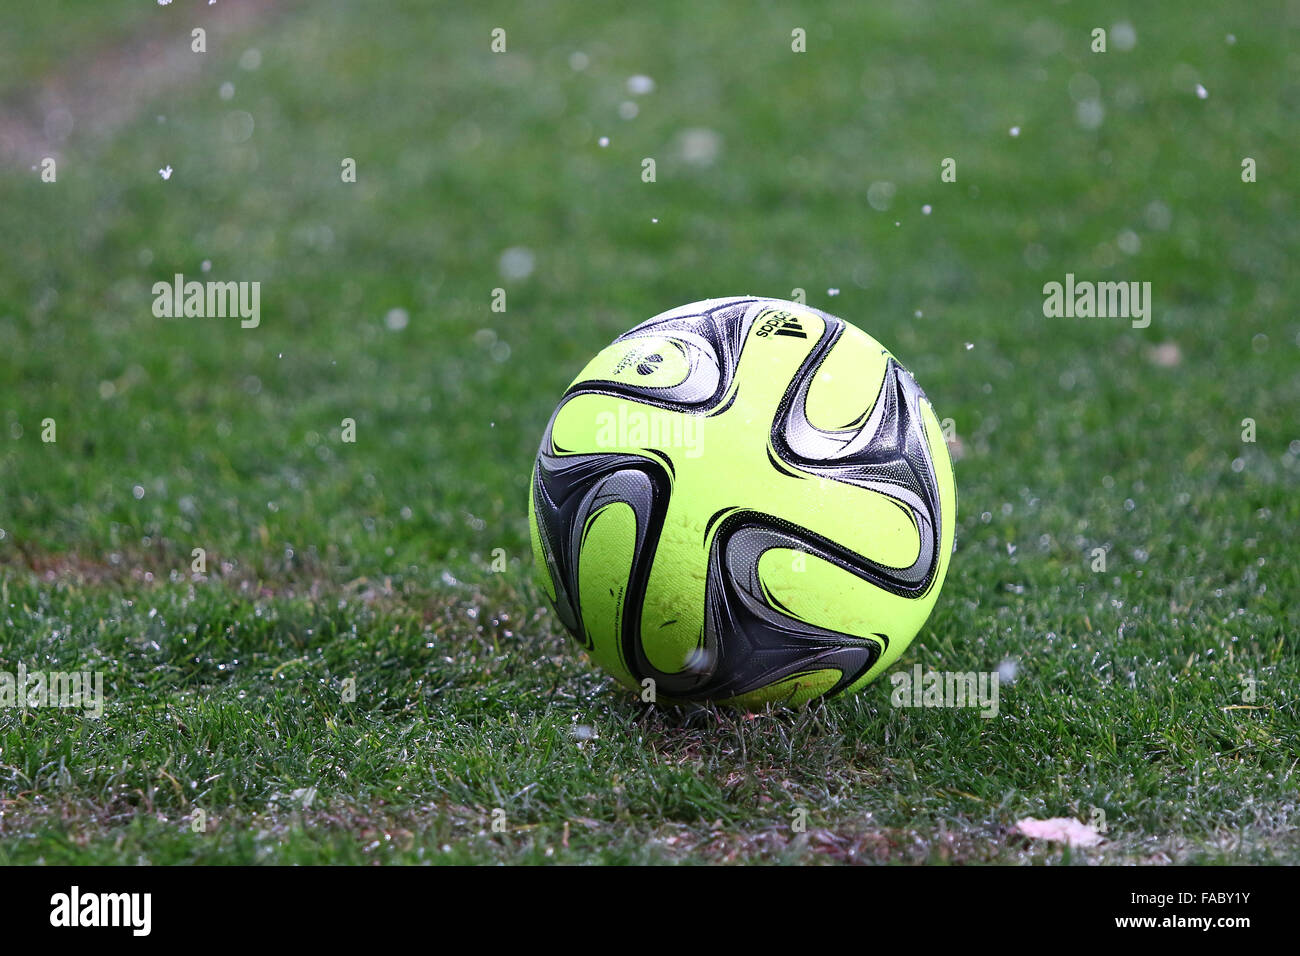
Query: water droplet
x=517, y=262
x=640, y=85
x=699, y=146
x=237, y=126
x=1089, y=114
x=880, y=195
x=1123, y=35
x=1158, y=215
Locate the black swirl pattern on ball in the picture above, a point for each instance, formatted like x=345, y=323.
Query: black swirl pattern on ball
x=751, y=640
x=888, y=454
x=711, y=342
x=568, y=490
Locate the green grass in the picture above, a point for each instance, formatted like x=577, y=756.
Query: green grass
x=371, y=560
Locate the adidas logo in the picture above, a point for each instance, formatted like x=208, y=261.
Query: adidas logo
x=780, y=322
x=792, y=328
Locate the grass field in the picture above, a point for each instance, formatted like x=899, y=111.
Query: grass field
x=373, y=561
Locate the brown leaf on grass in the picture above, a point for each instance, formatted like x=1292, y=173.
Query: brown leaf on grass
x=1166, y=355
x=1059, y=829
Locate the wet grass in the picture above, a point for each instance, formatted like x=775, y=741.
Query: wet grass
x=372, y=561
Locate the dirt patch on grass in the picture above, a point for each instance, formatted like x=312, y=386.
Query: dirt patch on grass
x=105, y=87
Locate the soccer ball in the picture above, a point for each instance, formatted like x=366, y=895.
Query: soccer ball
x=743, y=500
